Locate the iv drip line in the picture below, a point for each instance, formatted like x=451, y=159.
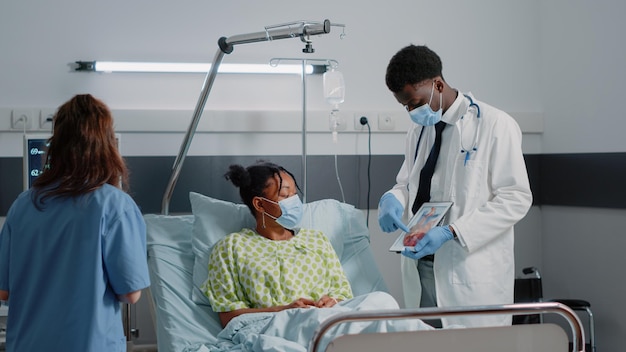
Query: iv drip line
x=343, y=197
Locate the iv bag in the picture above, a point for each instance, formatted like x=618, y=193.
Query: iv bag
x=334, y=87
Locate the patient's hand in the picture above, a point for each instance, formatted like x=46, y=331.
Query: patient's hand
x=226, y=317
x=301, y=303
x=326, y=302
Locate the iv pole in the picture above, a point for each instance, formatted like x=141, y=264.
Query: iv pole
x=301, y=29
x=304, y=62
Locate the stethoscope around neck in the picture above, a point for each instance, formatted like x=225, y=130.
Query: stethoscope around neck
x=466, y=151
x=473, y=148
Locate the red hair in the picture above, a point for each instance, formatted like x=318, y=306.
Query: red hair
x=83, y=153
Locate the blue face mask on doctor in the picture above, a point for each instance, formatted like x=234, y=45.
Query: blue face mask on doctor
x=291, y=209
x=424, y=115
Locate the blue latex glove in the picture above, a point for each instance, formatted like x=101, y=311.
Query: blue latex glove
x=390, y=214
x=430, y=243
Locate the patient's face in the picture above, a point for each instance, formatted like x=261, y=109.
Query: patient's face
x=276, y=191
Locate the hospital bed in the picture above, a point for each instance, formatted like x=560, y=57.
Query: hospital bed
x=179, y=246
x=178, y=249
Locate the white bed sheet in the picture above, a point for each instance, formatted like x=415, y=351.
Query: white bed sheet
x=179, y=321
x=182, y=323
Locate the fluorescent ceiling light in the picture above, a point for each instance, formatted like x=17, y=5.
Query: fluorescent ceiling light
x=171, y=67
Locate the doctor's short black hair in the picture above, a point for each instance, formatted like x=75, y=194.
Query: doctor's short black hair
x=411, y=65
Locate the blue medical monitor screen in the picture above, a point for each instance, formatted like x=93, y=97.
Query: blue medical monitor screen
x=35, y=148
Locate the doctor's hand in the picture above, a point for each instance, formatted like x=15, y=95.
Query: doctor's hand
x=390, y=214
x=430, y=243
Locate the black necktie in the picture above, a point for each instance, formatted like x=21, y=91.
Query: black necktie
x=423, y=192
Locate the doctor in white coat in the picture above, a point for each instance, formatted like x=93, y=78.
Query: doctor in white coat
x=480, y=168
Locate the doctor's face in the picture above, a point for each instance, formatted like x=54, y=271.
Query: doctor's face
x=416, y=95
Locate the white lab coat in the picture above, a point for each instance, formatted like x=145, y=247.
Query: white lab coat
x=490, y=192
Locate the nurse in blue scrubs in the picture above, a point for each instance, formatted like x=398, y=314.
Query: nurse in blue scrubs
x=73, y=247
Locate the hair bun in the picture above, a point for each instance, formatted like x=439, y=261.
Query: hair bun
x=238, y=175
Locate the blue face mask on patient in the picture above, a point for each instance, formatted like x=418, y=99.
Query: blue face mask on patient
x=291, y=209
x=424, y=115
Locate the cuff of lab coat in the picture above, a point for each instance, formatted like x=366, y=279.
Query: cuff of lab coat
x=457, y=235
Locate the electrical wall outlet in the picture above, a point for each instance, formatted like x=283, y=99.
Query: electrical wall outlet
x=358, y=126
x=386, y=122
x=337, y=122
x=21, y=119
x=45, y=119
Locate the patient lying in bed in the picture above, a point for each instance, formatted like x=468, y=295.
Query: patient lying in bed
x=265, y=282
x=250, y=273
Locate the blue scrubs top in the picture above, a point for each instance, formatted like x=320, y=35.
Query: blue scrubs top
x=64, y=266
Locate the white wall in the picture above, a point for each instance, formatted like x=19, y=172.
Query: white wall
x=41, y=40
x=582, y=75
x=582, y=56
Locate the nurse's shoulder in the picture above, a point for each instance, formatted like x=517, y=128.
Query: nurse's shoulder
x=111, y=197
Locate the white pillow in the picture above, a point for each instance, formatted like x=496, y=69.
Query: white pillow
x=168, y=230
x=214, y=219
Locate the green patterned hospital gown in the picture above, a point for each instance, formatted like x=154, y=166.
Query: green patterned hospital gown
x=247, y=270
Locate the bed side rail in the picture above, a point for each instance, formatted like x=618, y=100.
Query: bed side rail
x=425, y=313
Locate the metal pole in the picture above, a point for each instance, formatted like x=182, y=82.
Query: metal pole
x=304, y=163
x=126, y=317
x=304, y=63
x=578, y=335
x=184, y=147
x=293, y=30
